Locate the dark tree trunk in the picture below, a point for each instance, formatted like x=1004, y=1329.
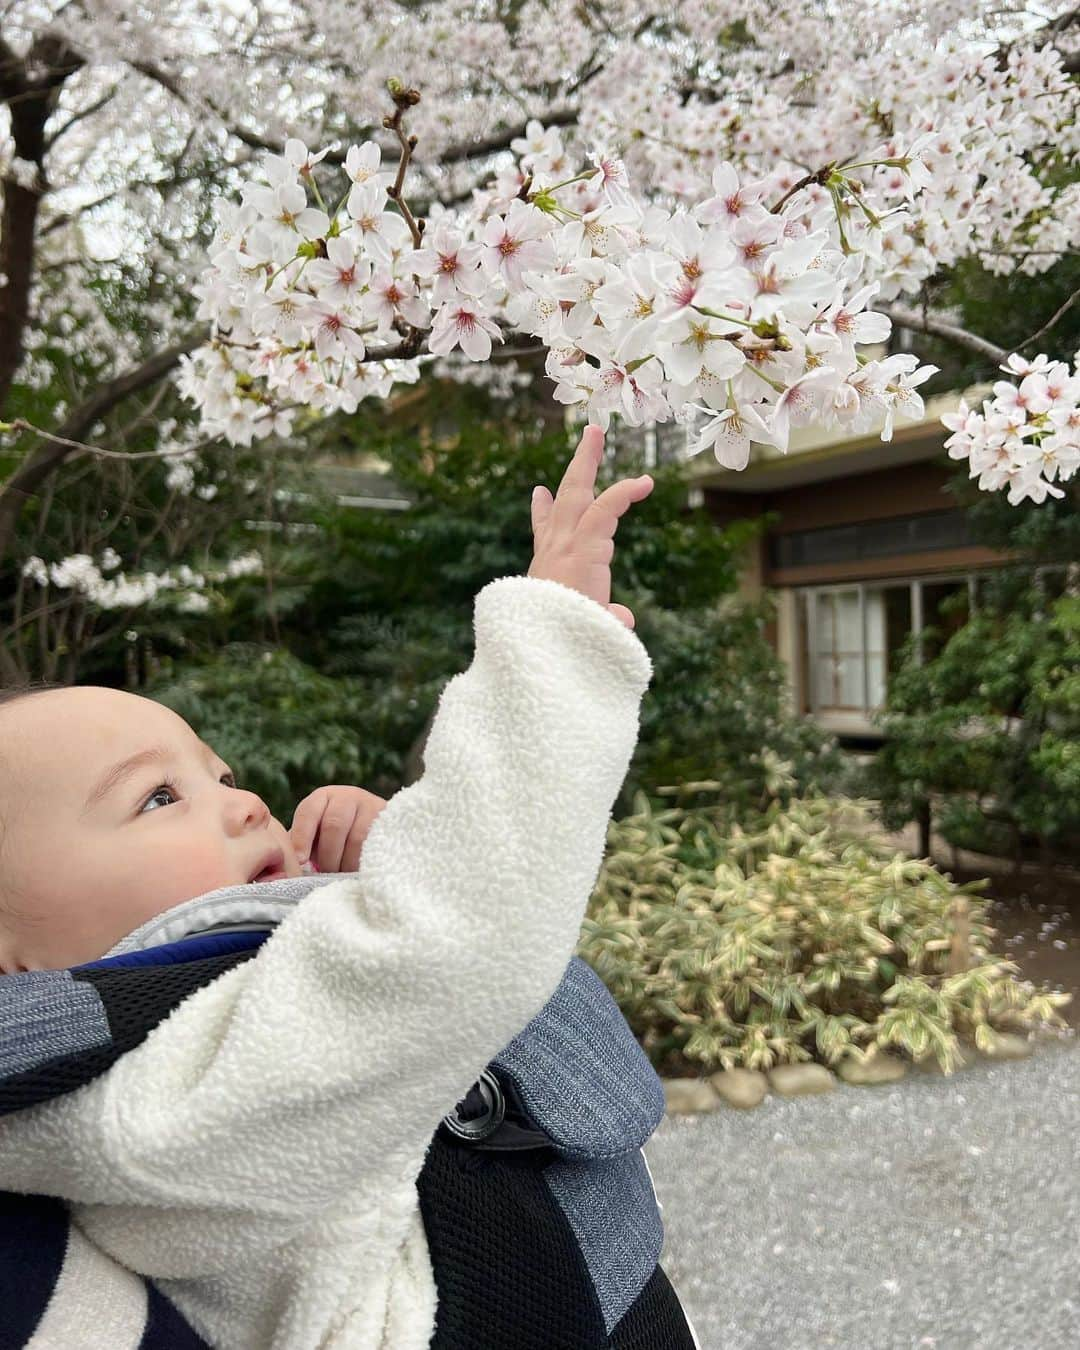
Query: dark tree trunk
x=29, y=101
x=924, y=822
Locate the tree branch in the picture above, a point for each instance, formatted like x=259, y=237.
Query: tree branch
x=918, y=323
x=1044, y=37
x=1051, y=321
x=79, y=116
x=47, y=457
x=81, y=448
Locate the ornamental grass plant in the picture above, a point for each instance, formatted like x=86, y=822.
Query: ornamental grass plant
x=796, y=933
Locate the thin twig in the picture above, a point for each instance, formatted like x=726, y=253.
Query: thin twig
x=403, y=99
x=819, y=177
x=21, y=424
x=1051, y=321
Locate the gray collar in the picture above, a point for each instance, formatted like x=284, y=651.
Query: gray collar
x=228, y=909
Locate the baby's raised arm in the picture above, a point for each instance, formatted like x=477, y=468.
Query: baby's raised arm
x=325, y=1063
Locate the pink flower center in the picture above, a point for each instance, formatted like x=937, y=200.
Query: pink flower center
x=684, y=293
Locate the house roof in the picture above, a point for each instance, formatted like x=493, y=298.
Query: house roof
x=817, y=454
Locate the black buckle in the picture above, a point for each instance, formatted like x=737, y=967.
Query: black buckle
x=480, y=1128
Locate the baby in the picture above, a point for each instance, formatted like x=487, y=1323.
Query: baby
x=257, y=1155
x=113, y=810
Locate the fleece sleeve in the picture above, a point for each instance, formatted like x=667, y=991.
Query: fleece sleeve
x=328, y=1060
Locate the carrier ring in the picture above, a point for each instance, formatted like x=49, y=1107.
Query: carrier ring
x=473, y=1130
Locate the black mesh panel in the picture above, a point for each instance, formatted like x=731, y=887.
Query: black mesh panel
x=655, y=1321
x=508, y=1269
x=136, y=999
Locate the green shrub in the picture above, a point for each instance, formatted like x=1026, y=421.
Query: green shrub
x=990, y=727
x=715, y=709
x=795, y=935
x=283, y=728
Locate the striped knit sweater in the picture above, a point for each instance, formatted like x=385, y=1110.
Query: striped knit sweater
x=272, y=1157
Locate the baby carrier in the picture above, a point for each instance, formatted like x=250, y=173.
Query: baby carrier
x=540, y=1214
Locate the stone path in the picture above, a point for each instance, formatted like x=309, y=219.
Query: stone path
x=938, y=1212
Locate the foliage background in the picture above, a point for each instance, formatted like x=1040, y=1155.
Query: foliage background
x=374, y=615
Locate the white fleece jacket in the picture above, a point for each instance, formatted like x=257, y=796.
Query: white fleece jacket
x=257, y=1154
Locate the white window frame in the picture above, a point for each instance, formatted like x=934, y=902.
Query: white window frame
x=916, y=584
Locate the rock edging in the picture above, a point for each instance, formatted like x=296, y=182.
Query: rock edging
x=745, y=1089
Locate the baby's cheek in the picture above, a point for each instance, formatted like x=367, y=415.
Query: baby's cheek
x=178, y=876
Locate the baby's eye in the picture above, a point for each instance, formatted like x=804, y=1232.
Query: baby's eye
x=170, y=788
x=164, y=787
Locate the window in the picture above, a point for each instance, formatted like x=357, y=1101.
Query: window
x=850, y=637
x=872, y=539
x=839, y=656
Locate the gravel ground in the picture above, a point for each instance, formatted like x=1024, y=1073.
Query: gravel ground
x=938, y=1212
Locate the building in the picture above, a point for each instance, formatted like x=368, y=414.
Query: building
x=868, y=548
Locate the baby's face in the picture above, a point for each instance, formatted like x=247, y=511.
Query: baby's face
x=88, y=850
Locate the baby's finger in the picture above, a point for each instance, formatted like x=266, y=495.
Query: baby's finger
x=542, y=502
x=334, y=829
x=305, y=823
x=354, y=845
x=601, y=519
x=579, y=481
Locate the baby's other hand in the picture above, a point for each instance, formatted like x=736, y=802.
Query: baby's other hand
x=330, y=826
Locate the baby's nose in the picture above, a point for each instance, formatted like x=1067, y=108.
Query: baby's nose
x=246, y=810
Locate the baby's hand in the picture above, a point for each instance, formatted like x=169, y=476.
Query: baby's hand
x=574, y=534
x=330, y=826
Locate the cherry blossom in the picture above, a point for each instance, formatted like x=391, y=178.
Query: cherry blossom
x=515, y=242
x=690, y=228
x=462, y=324
x=341, y=277
x=1024, y=438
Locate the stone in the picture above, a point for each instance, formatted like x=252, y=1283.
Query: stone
x=1007, y=1046
x=687, y=1096
x=741, y=1088
x=878, y=1068
x=801, y=1080
x=929, y=1062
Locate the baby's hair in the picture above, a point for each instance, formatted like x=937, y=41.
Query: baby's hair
x=22, y=690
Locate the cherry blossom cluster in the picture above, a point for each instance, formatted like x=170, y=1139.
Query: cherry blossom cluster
x=839, y=152
x=997, y=132
x=81, y=575
x=742, y=310
x=1027, y=435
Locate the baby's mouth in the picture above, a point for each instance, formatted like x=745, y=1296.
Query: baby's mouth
x=271, y=868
